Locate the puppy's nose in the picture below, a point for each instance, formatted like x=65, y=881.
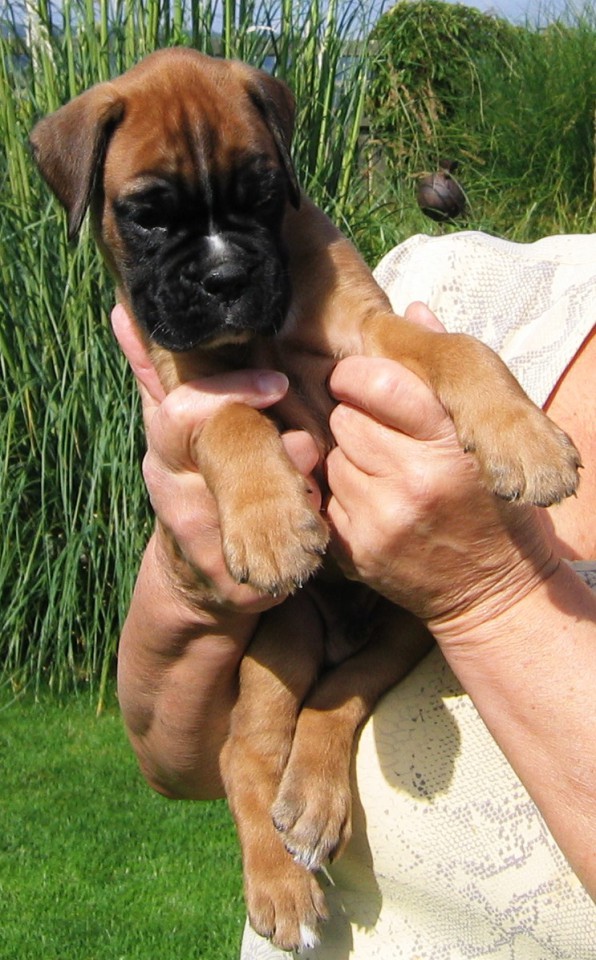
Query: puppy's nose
x=227, y=280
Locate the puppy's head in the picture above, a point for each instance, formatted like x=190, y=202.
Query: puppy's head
x=184, y=161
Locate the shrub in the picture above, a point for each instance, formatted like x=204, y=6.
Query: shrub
x=515, y=106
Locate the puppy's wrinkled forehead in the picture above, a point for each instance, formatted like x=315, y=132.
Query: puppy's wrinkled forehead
x=184, y=124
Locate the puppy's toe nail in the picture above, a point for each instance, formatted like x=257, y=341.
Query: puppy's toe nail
x=309, y=939
x=307, y=859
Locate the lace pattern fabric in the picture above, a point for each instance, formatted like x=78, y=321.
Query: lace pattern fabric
x=534, y=303
x=450, y=859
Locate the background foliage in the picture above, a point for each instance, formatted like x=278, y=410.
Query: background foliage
x=515, y=106
x=72, y=506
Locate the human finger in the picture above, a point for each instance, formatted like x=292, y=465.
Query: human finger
x=418, y=312
x=347, y=485
x=178, y=422
x=136, y=352
x=375, y=449
x=391, y=394
x=304, y=454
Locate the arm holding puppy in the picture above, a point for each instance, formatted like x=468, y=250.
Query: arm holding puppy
x=413, y=519
x=189, y=623
x=516, y=625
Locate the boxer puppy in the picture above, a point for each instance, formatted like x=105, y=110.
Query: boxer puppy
x=184, y=162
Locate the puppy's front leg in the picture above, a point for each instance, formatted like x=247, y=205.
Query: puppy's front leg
x=284, y=901
x=524, y=455
x=272, y=536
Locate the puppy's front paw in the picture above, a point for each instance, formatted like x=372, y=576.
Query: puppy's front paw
x=313, y=812
x=275, y=540
x=286, y=905
x=524, y=455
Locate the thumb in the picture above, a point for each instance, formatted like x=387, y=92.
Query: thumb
x=418, y=312
x=136, y=352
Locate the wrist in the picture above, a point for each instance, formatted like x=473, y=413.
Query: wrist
x=487, y=616
x=494, y=646
x=187, y=600
x=493, y=583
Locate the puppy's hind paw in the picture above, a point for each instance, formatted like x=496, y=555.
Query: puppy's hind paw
x=313, y=815
x=287, y=907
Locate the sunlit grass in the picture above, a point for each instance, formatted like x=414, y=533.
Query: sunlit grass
x=93, y=865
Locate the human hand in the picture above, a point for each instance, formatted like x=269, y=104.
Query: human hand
x=409, y=512
x=188, y=535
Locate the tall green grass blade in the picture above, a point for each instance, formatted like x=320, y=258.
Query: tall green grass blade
x=72, y=505
x=73, y=510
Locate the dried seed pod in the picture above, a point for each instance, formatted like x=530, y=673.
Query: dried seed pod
x=439, y=195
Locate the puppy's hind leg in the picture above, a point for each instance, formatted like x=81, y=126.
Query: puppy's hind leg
x=284, y=901
x=313, y=808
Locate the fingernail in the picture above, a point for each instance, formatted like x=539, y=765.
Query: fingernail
x=272, y=382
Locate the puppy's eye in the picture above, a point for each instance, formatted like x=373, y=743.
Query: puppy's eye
x=267, y=202
x=150, y=218
x=256, y=188
x=150, y=211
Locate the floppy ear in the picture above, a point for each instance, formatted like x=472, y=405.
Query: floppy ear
x=275, y=102
x=69, y=147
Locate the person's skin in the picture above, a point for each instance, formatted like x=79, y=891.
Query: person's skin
x=516, y=625
x=184, y=635
x=410, y=516
x=572, y=404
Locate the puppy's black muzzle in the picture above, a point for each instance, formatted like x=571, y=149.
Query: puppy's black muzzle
x=209, y=290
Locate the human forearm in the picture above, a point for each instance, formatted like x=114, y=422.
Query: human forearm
x=531, y=672
x=177, y=677
x=189, y=620
x=411, y=518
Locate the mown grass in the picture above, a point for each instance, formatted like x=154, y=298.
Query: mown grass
x=93, y=865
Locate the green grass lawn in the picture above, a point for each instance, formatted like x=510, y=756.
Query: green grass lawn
x=93, y=865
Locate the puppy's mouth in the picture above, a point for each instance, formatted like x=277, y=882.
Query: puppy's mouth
x=179, y=341
x=182, y=315
x=231, y=339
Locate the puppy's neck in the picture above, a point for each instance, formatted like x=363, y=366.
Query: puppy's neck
x=333, y=289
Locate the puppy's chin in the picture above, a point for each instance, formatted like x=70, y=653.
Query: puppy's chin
x=209, y=326
x=176, y=342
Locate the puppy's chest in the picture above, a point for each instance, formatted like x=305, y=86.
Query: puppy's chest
x=308, y=404
x=348, y=611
